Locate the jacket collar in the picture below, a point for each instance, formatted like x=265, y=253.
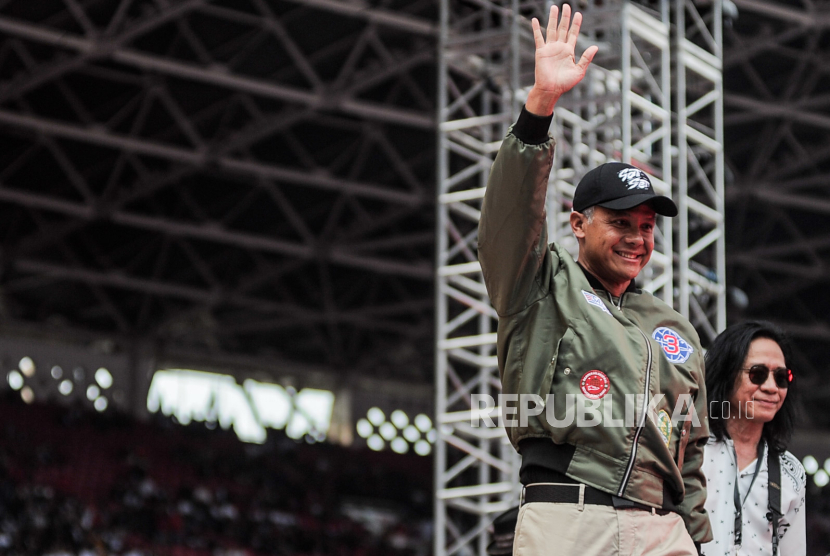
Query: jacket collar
x=596, y=284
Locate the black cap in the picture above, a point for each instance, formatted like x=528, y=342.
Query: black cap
x=619, y=186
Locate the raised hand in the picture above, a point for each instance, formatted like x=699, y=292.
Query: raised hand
x=557, y=70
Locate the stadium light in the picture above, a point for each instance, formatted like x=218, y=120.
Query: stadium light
x=387, y=431
x=15, y=380
x=27, y=366
x=399, y=419
x=399, y=445
x=376, y=416
x=423, y=423
x=411, y=434
x=103, y=377
x=399, y=432
x=65, y=387
x=422, y=448
x=27, y=394
x=364, y=428
x=810, y=464
x=375, y=443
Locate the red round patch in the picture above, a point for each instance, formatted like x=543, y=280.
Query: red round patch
x=595, y=384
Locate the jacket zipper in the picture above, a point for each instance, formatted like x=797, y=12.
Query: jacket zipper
x=642, y=423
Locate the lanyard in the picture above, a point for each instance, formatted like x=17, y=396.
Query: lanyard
x=737, y=495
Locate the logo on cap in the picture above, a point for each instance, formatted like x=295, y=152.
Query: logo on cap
x=634, y=178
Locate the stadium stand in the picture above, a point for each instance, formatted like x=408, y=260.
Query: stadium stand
x=74, y=482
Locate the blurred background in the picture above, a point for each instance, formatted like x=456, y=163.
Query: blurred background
x=217, y=270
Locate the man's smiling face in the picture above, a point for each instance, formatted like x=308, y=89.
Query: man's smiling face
x=615, y=245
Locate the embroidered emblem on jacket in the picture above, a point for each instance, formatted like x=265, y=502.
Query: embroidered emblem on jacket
x=677, y=349
x=664, y=426
x=594, y=384
x=594, y=300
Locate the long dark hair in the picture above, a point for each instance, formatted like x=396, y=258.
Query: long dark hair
x=724, y=359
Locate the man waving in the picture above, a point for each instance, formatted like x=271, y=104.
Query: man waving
x=582, y=330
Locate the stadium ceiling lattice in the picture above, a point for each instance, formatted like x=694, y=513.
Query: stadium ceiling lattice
x=222, y=177
x=777, y=121
x=257, y=176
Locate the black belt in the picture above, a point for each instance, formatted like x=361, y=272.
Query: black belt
x=569, y=494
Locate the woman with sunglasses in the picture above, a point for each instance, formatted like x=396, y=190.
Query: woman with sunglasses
x=755, y=487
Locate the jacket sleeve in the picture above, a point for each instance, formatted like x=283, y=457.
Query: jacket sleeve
x=694, y=482
x=512, y=235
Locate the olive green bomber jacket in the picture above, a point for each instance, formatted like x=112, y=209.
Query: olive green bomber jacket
x=555, y=331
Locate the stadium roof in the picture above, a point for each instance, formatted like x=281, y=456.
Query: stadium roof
x=254, y=180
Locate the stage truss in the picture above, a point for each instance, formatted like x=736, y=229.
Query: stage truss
x=623, y=110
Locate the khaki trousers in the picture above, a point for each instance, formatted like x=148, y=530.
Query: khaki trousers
x=552, y=529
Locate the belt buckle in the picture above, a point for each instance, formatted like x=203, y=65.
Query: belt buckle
x=625, y=504
x=621, y=503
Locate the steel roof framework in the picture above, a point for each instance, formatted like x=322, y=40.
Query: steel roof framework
x=222, y=177
x=224, y=183
x=778, y=140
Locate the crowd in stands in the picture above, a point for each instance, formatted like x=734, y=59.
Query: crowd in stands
x=78, y=483
x=74, y=482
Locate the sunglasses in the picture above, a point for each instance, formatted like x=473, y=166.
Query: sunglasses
x=758, y=375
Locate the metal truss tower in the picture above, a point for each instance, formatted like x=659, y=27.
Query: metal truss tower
x=623, y=110
x=701, y=251
x=479, y=72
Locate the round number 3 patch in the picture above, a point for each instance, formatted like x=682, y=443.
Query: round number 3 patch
x=677, y=349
